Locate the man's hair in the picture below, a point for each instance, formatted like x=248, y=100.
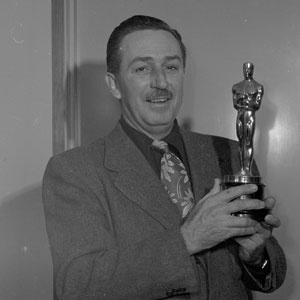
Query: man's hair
x=135, y=23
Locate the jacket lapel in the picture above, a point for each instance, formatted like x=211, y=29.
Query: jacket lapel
x=136, y=179
x=203, y=161
x=138, y=182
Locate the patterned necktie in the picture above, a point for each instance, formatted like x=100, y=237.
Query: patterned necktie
x=175, y=179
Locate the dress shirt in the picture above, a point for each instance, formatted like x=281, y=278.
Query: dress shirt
x=144, y=143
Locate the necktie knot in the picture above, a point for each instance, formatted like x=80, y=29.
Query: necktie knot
x=161, y=146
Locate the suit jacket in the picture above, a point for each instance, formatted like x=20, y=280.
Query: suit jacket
x=114, y=233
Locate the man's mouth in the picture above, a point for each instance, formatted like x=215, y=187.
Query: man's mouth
x=159, y=96
x=158, y=100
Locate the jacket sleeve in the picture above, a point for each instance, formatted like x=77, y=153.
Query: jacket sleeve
x=89, y=263
x=277, y=270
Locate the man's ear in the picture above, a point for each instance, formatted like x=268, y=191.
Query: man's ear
x=112, y=85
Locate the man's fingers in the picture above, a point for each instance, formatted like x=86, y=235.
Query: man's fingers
x=242, y=226
x=244, y=204
x=271, y=221
x=270, y=203
x=235, y=192
x=239, y=222
x=215, y=189
x=231, y=193
x=217, y=197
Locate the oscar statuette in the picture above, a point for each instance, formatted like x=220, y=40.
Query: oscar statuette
x=247, y=97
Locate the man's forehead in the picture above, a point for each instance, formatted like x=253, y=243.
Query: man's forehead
x=149, y=43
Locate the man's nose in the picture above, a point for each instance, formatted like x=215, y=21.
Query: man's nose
x=159, y=79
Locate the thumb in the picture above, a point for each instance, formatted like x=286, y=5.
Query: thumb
x=215, y=189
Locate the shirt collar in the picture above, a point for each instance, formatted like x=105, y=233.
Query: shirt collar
x=141, y=140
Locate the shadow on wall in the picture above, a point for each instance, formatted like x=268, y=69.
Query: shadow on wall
x=99, y=110
x=26, y=267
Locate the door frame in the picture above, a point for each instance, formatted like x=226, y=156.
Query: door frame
x=65, y=100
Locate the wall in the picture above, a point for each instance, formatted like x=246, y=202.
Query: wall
x=25, y=146
x=220, y=37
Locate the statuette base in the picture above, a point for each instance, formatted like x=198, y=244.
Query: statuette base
x=234, y=180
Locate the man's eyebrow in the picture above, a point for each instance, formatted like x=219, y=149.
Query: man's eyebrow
x=173, y=57
x=141, y=58
x=149, y=59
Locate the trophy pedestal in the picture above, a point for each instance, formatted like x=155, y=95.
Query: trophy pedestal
x=234, y=180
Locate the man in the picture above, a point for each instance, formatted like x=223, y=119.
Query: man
x=117, y=231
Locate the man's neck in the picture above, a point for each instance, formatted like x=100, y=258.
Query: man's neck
x=156, y=132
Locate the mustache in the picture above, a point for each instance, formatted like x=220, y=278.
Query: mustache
x=159, y=93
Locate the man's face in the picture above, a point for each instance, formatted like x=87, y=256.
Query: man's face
x=150, y=81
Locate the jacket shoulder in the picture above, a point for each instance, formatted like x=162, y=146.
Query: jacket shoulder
x=208, y=138
x=78, y=160
x=224, y=149
x=205, y=136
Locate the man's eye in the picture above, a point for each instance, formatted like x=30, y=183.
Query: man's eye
x=172, y=68
x=142, y=69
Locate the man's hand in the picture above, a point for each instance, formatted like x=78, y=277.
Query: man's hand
x=252, y=247
x=211, y=221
